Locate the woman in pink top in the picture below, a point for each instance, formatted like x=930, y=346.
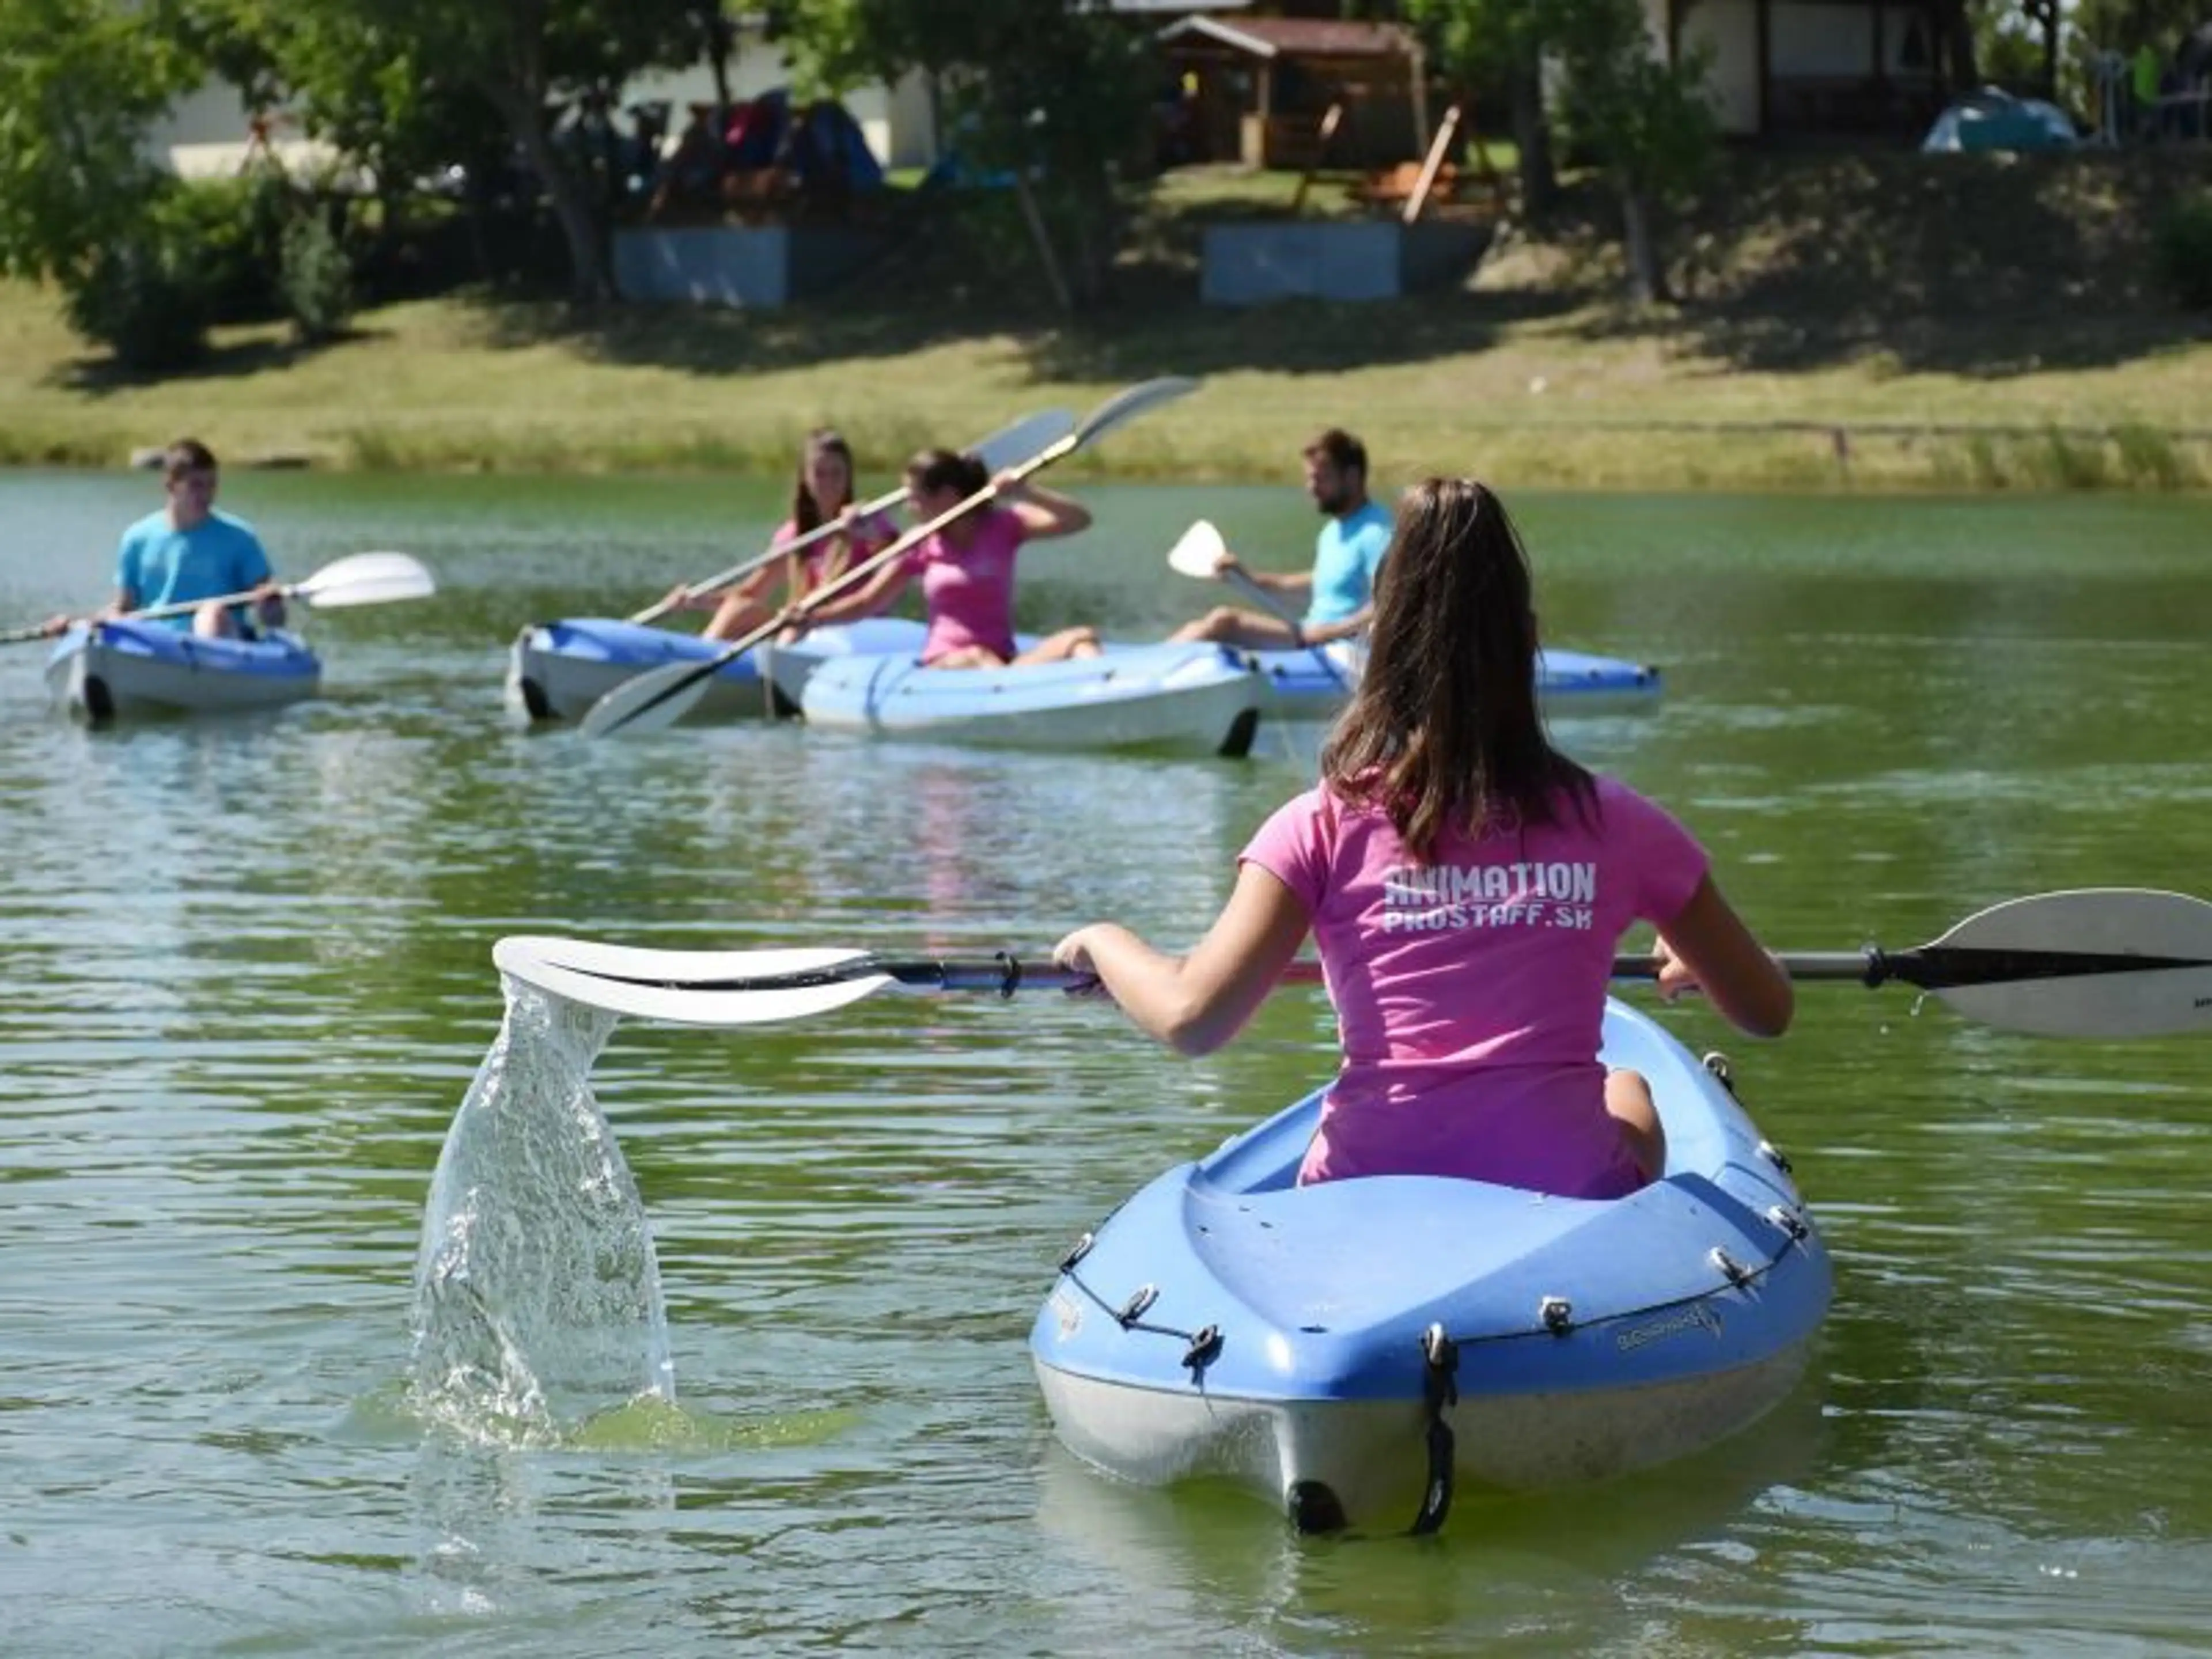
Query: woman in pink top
x=967, y=568
x=1465, y=884
x=823, y=494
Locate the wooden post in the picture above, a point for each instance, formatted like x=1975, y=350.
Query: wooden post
x=1330, y=117
x=1430, y=166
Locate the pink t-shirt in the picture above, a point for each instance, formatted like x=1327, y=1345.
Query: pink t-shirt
x=968, y=592
x=869, y=535
x=1470, y=992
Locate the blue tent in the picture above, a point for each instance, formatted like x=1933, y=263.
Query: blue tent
x=1993, y=119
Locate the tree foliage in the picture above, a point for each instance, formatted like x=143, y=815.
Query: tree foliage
x=1053, y=93
x=1497, y=42
x=79, y=81
x=1646, y=123
x=394, y=82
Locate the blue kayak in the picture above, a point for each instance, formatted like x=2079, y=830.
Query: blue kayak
x=1314, y=683
x=107, y=671
x=558, y=670
x=1201, y=699
x=1226, y=1322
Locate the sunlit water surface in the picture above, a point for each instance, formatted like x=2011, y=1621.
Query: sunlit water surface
x=250, y=981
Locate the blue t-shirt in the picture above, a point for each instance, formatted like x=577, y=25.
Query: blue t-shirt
x=1347, y=555
x=158, y=564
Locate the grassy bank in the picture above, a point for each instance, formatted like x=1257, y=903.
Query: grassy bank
x=1816, y=350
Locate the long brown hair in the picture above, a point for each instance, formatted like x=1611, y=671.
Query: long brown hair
x=806, y=513
x=1444, y=732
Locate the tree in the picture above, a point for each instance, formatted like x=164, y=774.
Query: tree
x=356, y=66
x=80, y=81
x=1479, y=41
x=1054, y=92
x=1959, y=66
x=1647, y=123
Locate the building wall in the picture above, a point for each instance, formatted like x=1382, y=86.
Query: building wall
x=1808, y=41
x=1839, y=40
x=206, y=132
x=1728, y=31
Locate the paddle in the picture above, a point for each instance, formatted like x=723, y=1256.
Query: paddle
x=662, y=695
x=357, y=579
x=2100, y=962
x=1198, y=552
x=1001, y=449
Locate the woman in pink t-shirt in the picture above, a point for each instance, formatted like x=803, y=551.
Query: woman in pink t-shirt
x=967, y=568
x=823, y=494
x=1465, y=884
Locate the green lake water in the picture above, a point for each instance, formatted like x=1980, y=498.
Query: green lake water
x=248, y=979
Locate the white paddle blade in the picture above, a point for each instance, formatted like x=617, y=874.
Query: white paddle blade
x=1024, y=438
x=1198, y=551
x=1127, y=406
x=669, y=987
x=648, y=701
x=366, y=579
x=2100, y=927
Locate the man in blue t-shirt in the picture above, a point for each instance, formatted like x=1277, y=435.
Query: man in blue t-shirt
x=188, y=552
x=1339, y=589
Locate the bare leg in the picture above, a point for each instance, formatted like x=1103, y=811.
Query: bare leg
x=213, y=622
x=743, y=609
x=1628, y=1099
x=1230, y=625
x=970, y=656
x=1059, y=648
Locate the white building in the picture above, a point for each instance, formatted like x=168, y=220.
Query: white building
x=209, y=133
x=1808, y=67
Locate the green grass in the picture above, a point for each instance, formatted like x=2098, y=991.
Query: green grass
x=1531, y=376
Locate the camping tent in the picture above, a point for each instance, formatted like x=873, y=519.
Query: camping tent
x=1993, y=119
x=820, y=143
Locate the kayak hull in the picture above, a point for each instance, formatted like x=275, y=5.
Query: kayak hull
x=1226, y=1322
x=557, y=670
x=1197, y=699
x=124, y=670
x=1314, y=685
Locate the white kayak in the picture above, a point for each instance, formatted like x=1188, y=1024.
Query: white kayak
x=1193, y=698
x=122, y=668
x=1314, y=683
x=557, y=670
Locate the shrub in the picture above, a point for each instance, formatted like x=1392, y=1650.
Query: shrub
x=318, y=277
x=2184, y=250
x=233, y=230
x=2148, y=456
x=142, y=301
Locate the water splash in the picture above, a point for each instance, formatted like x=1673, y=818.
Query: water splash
x=538, y=1301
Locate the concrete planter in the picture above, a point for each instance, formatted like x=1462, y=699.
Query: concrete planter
x=1249, y=264
x=740, y=265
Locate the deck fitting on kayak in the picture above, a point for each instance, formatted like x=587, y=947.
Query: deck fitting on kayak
x=1557, y=1314
x=1082, y=1248
x=1790, y=1223
x=1730, y=1269
x=1772, y=1154
x=1205, y=1348
x=1133, y=1310
x=1722, y=1067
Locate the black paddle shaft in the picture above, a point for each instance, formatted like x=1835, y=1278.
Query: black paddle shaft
x=1945, y=967
x=1002, y=973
